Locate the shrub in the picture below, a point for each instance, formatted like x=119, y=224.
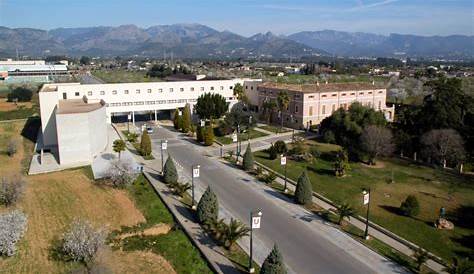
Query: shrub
x=280, y=147
x=119, y=146
x=272, y=152
x=12, y=228
x=232, y=232
x=186, y=119
x=82, y=241
x=341, y=165
x=410, y=207
x=11, y=191
x=304, y=189
x=208, y=207
x=131, y=137
x=121, y=174
x=273, y=264
x=145, y=144
x=21, y=94
x=170, y=174
x=299, y=148
x=329, y=137
x=200, y=134
x=344, y=211
x=315, y=152
x=176, y=119
x=208, y=135
x=247, y=162
x=268, y=178
x=11, y=148
x=180, y=189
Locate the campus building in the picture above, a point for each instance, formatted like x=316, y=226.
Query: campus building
x=74, y=117
x=24, y=71
x=311, y=103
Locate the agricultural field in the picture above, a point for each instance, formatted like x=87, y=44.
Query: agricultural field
x=391, y=181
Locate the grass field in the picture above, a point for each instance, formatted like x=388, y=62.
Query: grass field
x=123, y=76
x=274, y=129
x=243, y=136
x=433, y=188
x=52, y=201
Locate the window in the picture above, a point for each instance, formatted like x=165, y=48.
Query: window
x=323, y=111
x=114, y=92
x=222, y=88
x=125, y=91
x=324, y=95
x=296, y=108
x=181, y=89
x=310, y=111
x=160, y=102
x=150, y=102
x=102, y=92
x=182, y=101
x=246, y=87
x=171, y=89
x=333, y=108
x=311, y=96
x=191, y=89
x=251, y=88
x=115, y=104
x=344, y=106
x=361, y=93
x=89, y=93
x=64, y=95
x=76, y=93
x=160, y=90
x=138, y=91
x=127, y=104
x=343, y=94
x=172, y=101
x=212, y=88
x=231, y=87
x=139, y=103
x=334, y=95
x=370, y=92
x=380, y=92
x=202, y=88
x=352, y=93
x=149, y=90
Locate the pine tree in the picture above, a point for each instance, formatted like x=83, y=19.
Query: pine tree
x=176, y=119
x=200, y=134
x=186, y=119
x=209, y=135
x=145, y=144
x=273, y=264
x=170, y=173
x=208, y=207
x=304, y=189
x=247, y=163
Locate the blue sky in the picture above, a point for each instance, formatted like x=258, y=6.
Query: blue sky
x=247, y=17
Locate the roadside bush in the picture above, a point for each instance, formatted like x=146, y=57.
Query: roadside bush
x=272, y=152
x=208, y=208
x=12, y=228
x=200, y=134
x=329, y=137
x=170, y=174
x=120, y=174
x=268, y=178
x=11, y=191
x=180, y=189
x=247, y=162
x=304, y=189
x=273, y=264
x=145, y=144
x=315, y=152
x=21, y=94
x=131, y=137
x=11, y=148
x=208, y=136
x=82, y=241
x=280, y=147
x=224, y=129
x=410, y=207
x=299, y=148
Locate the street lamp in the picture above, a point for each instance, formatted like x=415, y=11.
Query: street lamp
x=283, y=163
x=280, y=115
x=255, y=218
x=129, y=116
x=195, y=174
x=164, y=146
x=238, y=147
x=366, y=201
x=248, y=129
x=293, y=128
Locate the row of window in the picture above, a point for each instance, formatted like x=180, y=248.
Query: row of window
x=297, y=96
x=138, y=91
x=159, y=102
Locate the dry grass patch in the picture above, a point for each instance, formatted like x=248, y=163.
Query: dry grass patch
x=138, y=262
x=9, y=106
x=155, y=230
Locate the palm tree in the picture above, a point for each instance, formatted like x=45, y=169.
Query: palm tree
x=233, y=232
x=460, y=266
x=344, y=210
x=269, y=107
x=180, y=189
x=421, y=256
x=217, y=229
x=119, y=146
x=283, y=100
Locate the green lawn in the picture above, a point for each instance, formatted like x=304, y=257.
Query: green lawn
x=274, y=129
x=434, y=189
x=123, y=76
x=243, y=136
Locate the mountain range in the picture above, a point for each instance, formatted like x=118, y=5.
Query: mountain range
x=199, y=41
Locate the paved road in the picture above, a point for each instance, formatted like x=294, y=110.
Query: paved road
x=308, y=244
x=89, y=79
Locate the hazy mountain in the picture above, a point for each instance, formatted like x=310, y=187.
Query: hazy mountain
x=368, y=44
x=183, y=40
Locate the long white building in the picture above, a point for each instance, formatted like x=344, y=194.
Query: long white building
x=65, y=106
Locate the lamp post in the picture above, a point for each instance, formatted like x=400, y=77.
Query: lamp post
x=129, y=116
x=195, y=174
x=366, y=201
x=283, y=163
x=280, y=115
x=293, y=129
x=255, y=218
x=164, y=146
x=248, y=128
x=238, y=147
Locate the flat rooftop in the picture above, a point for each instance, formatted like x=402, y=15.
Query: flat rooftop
x=76, y=106
x=322, y=87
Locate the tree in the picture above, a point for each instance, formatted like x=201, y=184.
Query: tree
x=233, y=232
x=11, y=148
x=376, y=141
x=460, y=266
x=272, y=152
x=281, y=147
x=247, y=162
x=443, y=145
x=341, y=165
x=12, y=228
x=344, y=211
x=208, y=207
x=119, y=146
x=176, y=119
x=283, y=100
x=208, y=135
x=170, y=174
x=268, y=108
x=11, y=190
x=200, y=134
x=410, y=207
x=240, y=93
x=211, y=106
x=20, y=94
x=239, y=115
x=145, y=144
x=421, y=256
x=186, y=119
x=85, y=60
x=304, y=189
x=273, y=264
x=82, y=241
x=120, y=174
x=180, y=189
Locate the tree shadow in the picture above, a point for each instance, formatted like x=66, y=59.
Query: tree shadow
x=281, y=196
x=392, y=209
x=466, y=241
x=463, y=216
x=321, y=171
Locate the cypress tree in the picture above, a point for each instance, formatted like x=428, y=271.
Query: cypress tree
x=170, y=173
x=176, y=119
x=200, y=134
x=145, y=144
x=247, y=163
x=208, y=135
x=186, y=119
x=304, y=189
x=273, y=264
x=208, y=207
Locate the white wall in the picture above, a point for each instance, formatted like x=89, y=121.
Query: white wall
x=48, y=104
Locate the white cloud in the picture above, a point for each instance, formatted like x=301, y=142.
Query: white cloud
x=361, y=5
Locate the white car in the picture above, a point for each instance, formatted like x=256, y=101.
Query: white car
x=149, y=130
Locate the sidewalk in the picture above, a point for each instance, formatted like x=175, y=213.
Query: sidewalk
x=373, y=231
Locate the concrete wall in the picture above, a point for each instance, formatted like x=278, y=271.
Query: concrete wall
x=98, y=131
x=48, y=104
x=250, y=89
